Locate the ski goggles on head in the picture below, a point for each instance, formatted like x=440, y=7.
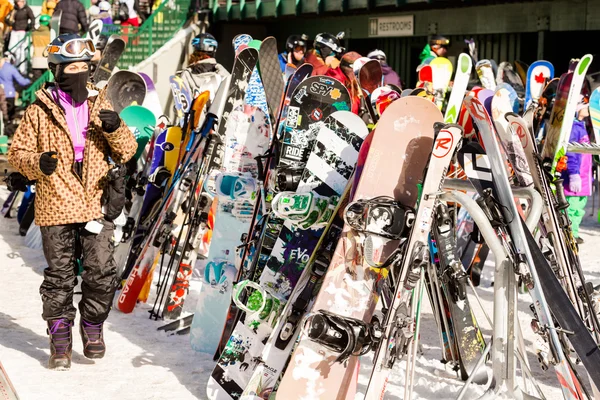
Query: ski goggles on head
x=73, y=48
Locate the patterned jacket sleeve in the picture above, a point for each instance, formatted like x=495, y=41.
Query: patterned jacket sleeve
x=23, y=153
x=122, y=142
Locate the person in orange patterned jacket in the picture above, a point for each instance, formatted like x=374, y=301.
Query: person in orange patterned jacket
x=64, y=142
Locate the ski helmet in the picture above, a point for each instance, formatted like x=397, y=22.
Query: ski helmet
x=69, y=48
x=296, y=41
x=206, y=43
x=45, y=19
x=104, y=5
x=326, y=43
x=439, y=40
x=378, y=55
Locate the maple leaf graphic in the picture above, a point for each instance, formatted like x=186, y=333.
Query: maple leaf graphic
x=540, y=78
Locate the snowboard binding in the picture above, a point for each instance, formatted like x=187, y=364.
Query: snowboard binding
x=235, y=186
x=344, y=335
x=400, y=337
x=381, y=216
x=306, y=210
x=287, y=179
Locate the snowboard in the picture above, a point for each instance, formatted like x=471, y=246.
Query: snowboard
x=7, y=390
x=313, y=98
x=270, y=74
x=402, y=143
x=125, y=88
x=261, y=238
x=538, y=75
x=110, y=56
x=141, y=122
x=55, y=24
x=220, y=270
x=95, y=30
x=151, y=100
x=327, y=173
x=401, y=315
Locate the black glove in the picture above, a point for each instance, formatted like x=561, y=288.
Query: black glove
x=110, y=120
x=48, y=162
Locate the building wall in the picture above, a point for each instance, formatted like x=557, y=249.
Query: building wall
x=554, y=30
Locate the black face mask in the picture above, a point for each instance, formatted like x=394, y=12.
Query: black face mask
x=74, y=85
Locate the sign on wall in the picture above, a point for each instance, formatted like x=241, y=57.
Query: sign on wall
x=401, y=25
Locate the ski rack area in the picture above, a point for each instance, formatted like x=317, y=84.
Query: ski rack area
x=502, y=344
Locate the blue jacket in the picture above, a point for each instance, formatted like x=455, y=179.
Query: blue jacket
x=9, y=74
x=283, y=60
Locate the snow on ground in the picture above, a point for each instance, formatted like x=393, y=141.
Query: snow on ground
x=142, y=363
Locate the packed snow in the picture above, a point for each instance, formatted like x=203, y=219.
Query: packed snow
x=143, y=363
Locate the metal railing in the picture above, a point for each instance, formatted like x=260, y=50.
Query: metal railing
x=166, y=20
x=28, y=95
x=26, y=43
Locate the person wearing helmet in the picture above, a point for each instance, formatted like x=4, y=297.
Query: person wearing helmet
x=389, y=75
x=64, y=142
x=9, y=74
x=40, y=38
x=437, y=47
x=203, y=71
x=295, y=50
x=105, y=15
x=326, y=54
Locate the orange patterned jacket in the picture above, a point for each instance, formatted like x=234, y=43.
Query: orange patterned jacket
x=64, y=198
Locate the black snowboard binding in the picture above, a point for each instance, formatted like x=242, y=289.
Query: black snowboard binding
x=344, y=335
x=287, y=179
x=381, y=216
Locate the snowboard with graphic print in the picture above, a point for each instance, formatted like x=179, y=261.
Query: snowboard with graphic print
x=400, y=146
x=243, y=135
x=264, y=232
x=312, y=101
x=115, y=47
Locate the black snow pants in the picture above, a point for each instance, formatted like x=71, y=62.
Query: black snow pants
x=99, y=272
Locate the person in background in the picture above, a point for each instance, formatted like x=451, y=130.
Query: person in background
x=23, y=21
x=389, y=75
x=203, y=71
x=437, y=47
x=73, y=18
x=5, y=8
x=8, y=76
x=131, y=17
x=105, y=14
x=295, y=50
x=326, y=54
x=93, y=13
x=40, y=39
x=71, y=118
x=577, y=177
x=48, y=7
